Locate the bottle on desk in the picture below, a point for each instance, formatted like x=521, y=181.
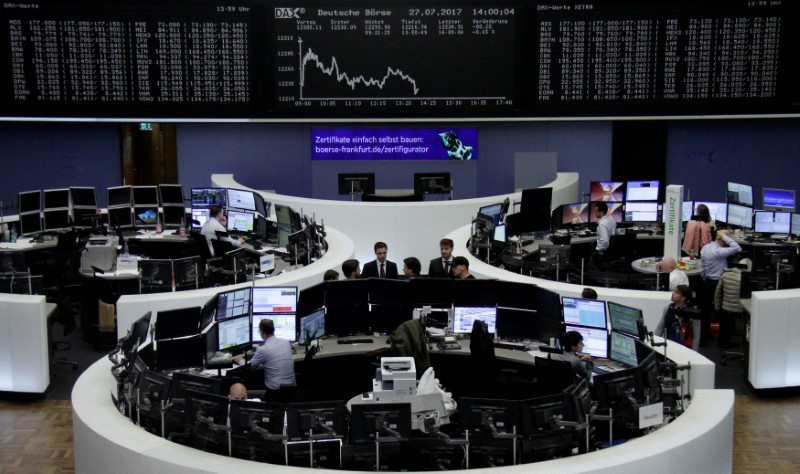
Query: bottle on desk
x=13, y=234
x=182, y=228
x=158, y=226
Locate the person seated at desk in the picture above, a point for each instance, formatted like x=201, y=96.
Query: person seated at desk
x=275, y=356
x=411, y=267
x=676, y=277
x=442, y=267
x=380, y=267
x=216, y=223
x=589, y=294
x=237, y=392
x=331, y=275
x=680, y=330
x=351, y=269
x=461, y=269
x=573, y=353
x=727, y=300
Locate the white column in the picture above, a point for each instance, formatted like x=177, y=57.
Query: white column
x=672, y=226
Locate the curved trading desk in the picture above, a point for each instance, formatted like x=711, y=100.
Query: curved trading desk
x=107, y=441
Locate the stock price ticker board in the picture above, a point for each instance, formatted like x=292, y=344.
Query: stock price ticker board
x=293, y=60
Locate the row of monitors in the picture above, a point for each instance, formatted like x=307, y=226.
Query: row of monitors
x=618, y=191
x=364, y=183
x=772, y=199
x=229, y=198
x=580, y=214
x=36, y=201
x=602, y=315
x=163, y=194
x=768, y=222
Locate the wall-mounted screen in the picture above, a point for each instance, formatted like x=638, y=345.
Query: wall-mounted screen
x=394, y=143
x=779, y=199
x=641, y=191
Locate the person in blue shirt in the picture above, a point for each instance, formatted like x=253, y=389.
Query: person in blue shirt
x=276, y=357
x=713, y=261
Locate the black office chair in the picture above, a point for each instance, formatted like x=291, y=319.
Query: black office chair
x=553, y=376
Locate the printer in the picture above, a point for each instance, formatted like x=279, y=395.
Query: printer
x=100, y=252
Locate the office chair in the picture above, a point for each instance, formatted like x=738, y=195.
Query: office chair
x=63, y=315
x=733, y=355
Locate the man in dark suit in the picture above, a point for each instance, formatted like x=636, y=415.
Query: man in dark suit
x=380, y=267
x=442, y=267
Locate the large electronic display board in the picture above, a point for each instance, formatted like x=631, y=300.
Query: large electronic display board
x=316, y=59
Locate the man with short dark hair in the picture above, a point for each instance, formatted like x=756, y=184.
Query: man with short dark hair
x=442, y=267
x=461, y=269
x=351, y=269
x=380, y=267
x=216, y=223
x=275, y=356
x=606, y=227
x=411, y=267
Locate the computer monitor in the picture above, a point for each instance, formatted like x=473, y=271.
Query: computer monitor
x=436, y=292
x=615, y=389
x=181, y=322
x=740, y=216
x=686, y=212
x=368, y=421
x=262, y=206
x=119, y=196
x=183, y=382
x=56, y=219
x=283, y=215
x=320, y=417
x=234, y=333
x=614, y=210
x=213, y=408
x=171, y=194
x=741, y=194
x=30, y=223
x=517, y=324
x=493, y=211
x=499, y=235
x=173, y=354
x=511, y=294
x=188, y=271
x=641, y=211
x=355, y=183
x=622, y=348
x=717, y=210
x=174, y=216
x=584, y=312
x=145, y=196
x=609, y=191
x=241, y=222
x=284, y=232
x=575, y=214
x=29, y=201
x=207, y=197
x=13, y=262
x=233, y=303
x=641, y=191
x=626, y=319
x=312, y=298
x=56, y=198
x=769, y=222
x=779, y=199
x=241, y=199
x=285, y=326
x=474, y=292
x=535, y=207
x=313, y=325
x=465, y=316
x=267, y=416
x=432, y=183
x=84, y=216
x=152, y=388
x=121, y=217
x=795, y=224
x=82, y=197
x=201, y=215
x=146, y=216
x=347, y=292
x=479, y=415
x=156, y=272
x=595, y=340
x=275, y=299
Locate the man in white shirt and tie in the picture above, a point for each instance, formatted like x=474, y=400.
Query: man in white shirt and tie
x=380, y=267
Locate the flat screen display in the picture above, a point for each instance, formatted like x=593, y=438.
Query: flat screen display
x=30, y=201
x=119, y=196
x=234, y=332
x=145, y=196
x=575, y=214
x=769, y=222
x=30, y=223
x=499, y=233
x=56, y=219
x=608, y=191
x=641, y=212
x=641, y=191
x=241, y=199
x=615, y=210
x=622, y=348
x=595, y=340
x=200, y=215
x=624, y=319
x=174, y=215
x=779, y=199
x=383, y=144
x=741, y=194
x=56, y=198
x=285, y=326
x=241, y=221
x=465, y=316
x=313, y=325
x=146, y=216
x=275, y=299
x=82, y=197
x=207, y=197
x=492, y=211
x=718, y=210
x=120, y=217
x=796, y=224
x=233, y=303
x=686, y=212
x=584, y=312
x=741, y=216
x=171, y=194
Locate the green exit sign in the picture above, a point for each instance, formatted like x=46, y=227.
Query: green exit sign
x=145, y=126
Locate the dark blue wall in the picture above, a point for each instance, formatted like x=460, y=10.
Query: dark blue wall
x=702, y=155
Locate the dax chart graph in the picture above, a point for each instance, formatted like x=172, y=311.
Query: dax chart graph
x=348, y=60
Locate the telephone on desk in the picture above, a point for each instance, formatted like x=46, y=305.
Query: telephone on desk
x=448, y=342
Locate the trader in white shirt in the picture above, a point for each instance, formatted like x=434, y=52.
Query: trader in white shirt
x=676, y=277
x=216, y=222
x=606, y=227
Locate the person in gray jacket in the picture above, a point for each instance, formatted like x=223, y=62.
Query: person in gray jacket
x=727, y=301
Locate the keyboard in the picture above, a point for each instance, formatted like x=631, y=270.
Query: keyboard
x=254, y=243
x=514, y=346
x=355, y=340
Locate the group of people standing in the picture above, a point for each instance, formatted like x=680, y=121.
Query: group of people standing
x=445, y=266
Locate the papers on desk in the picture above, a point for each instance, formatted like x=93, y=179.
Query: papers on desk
x=435, y=332
x=20, y=244
x=149, y=234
